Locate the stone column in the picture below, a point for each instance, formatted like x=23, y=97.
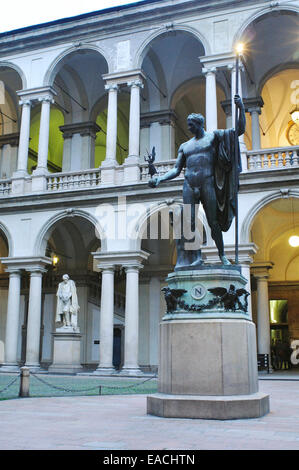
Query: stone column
x=79, y=145
x=12, y=319
x=111, y=138
x=211, y=99
x=134, y=127
x=255, y=127
x=263, y=317
x=9, y=150
x=24, y=139
x=131, y=366
x=34, y=318
x=43, y=143
x=106, y=321
x=131, y=165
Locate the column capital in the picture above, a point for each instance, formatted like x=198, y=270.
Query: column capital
x=260, y=270
x=35, y=94
x=254, y=104
x=27, y=263
x=209, y=70
x=232, y=67
x=133, y=267
x=119, y=258
x=10, y=139
x=106, y=267
x=111, y=87
x=46, y=99
x=13, y=271
x=83, y=128
x=24, y=102
x=135, y=83
x=36, y=270
x=123, y=77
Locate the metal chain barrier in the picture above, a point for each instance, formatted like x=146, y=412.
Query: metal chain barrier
x=99, y=386
x=10, y=384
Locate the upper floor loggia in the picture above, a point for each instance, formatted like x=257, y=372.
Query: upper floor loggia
x=90, y=118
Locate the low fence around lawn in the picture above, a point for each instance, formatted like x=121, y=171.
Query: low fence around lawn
x=29, y=384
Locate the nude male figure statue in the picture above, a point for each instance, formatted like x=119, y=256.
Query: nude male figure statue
x=209, y=161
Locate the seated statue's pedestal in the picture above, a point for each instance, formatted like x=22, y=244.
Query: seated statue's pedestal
x=208, y=358
x=66, y=353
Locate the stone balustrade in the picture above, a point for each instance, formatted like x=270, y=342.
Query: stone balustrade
x=257, y=160
x=74, y=180
x=161, y=167
x=5, y=187
x=273, y=158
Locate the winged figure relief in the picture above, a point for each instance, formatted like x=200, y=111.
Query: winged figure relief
x=171, y=297
x=230, y=298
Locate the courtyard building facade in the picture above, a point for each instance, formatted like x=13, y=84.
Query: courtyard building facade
x=83, y=101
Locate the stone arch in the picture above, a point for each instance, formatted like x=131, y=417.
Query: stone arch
x=19, y=71
x=53, y=68
x=45, y=232
x=274, y=71
x=151, y=210
x=256, y=208
x=5, y=233
x=238, y=35
x=143, y=48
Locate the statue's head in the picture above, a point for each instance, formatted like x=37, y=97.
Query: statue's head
x=65, y=277
x=195, y=122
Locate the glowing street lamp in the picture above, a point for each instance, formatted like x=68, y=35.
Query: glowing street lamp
x=55, y=260
x=239, y=48
x=294, y=241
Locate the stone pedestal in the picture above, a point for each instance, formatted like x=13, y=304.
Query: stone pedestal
x=66, y=355
x=208, y=358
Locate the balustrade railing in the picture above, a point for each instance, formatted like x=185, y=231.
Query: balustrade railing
x=161, y=167
x=273, y=158
x=257, y=160
x=74, y=180
x=5, y=187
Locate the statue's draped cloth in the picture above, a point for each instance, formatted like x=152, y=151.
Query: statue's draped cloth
x=74, y=307
x=226, y=176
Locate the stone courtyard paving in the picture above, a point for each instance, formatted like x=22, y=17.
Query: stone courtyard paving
x=120, y=422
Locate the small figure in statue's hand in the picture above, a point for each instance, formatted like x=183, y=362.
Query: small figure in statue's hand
x=150, y=158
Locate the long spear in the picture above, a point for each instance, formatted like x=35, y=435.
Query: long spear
x=239, y=50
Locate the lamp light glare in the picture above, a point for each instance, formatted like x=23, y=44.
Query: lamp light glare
x=240, y=48
x=55, y=260
x=294, y=241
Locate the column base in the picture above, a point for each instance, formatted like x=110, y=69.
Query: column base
x=39, y=182
x=108, y=172
x=208, y=407
x=35, y=368
x=105, y=371
x=18, y=182
x=131, y=171
x=131, y=372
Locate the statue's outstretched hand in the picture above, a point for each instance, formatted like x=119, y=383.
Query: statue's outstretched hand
x=154, y=181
